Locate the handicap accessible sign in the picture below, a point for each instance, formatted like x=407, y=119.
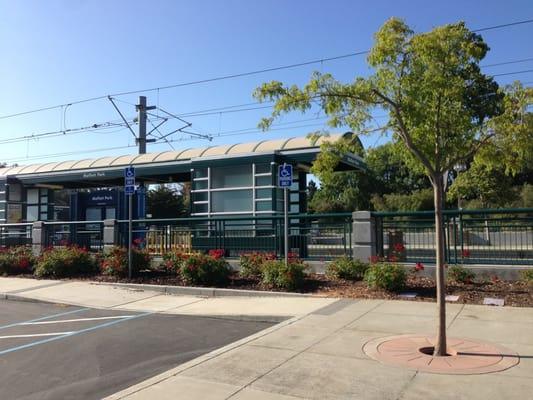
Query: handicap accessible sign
x=285, y=175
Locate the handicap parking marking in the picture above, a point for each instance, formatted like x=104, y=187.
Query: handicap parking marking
x=44, y=318
x=73, y=333
x=64, y=321
x=36, y=334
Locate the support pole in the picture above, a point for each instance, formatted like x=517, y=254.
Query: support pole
x=286, y=223
x=130, y=206
x=141, y=110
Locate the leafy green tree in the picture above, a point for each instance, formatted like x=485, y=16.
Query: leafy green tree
x=391, y=173
x=165, y=202
x=418, y=200
x=440, y=107
x=489, y=187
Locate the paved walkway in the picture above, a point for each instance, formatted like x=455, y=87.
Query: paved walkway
x=317, y=354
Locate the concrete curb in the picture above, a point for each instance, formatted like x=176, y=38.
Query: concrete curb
x=201, y=291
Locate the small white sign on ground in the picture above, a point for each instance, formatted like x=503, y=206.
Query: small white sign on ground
x=489, y=301
x=408, y=295
x=452, y=297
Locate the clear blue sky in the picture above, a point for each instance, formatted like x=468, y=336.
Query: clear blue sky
x=54, y=52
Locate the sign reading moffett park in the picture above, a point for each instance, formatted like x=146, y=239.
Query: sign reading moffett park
x=285, y=175
x=129, y=181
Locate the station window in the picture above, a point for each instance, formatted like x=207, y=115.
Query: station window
x=263, y=180
x=232, y=201
x=262, y=168
x=234, y=176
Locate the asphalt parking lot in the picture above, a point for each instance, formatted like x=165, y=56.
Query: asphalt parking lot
x=50, y=351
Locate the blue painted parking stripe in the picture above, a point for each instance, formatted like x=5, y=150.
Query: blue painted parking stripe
x=92, y=328
x=44, y=318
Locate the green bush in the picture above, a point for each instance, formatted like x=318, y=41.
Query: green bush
x=527, y=276
x=391, y=277
x=201, y=269
x=16, y=260
x=346, y=268
x=460, y=274
x=61, y=262
x=252, y=264
x=115, y=262
x=173, y=261
x=278, y=275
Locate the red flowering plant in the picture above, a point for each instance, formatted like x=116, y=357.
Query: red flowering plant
x=201, y=269
x=115, y=261
x=252, y=263
x=16, y=260
x=65, y=261
x=217, y=253
x=173, y=260
x=419, y=267
x=465, y=253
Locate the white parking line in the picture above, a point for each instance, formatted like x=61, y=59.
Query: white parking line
x=37, y=334
x=61, y=321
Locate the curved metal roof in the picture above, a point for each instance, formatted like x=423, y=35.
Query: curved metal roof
x=263, y=146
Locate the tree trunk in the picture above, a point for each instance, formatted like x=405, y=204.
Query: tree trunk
x=438, y=194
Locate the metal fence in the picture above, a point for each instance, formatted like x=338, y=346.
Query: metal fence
x=472, y=236
x=15, y=234
x=87, y=234
x=323, y=236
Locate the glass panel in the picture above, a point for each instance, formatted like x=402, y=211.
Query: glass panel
x=263, y=206
x=262, y=168
x=93, y=214
x=294, y=197
x=32, y=213
x=263, y=181
x=234, y=176
x=199, y=185
x=263, y=193
x=110, y=213
x=235, y=200
x=201, y=196
x=32, y=196
x=200, y=208
x=200, y=173
x=294, y=208
x=14, y=192
x=2, y=196
x=2, y=186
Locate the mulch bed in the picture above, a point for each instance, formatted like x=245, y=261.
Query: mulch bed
x=517, y=294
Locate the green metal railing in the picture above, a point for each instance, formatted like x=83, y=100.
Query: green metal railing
x=311, y=236
x=495, y=236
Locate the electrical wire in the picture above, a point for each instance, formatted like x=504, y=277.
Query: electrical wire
x=233, y=76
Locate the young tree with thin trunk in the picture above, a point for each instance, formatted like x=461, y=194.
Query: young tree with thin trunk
x=439, y=106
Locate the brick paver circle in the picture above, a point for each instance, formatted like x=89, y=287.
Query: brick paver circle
x=466, y=356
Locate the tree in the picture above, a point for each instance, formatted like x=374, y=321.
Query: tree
x=486, y=187
x=439, y=103
x=165, y=202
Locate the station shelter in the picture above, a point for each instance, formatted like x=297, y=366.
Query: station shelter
x=228, y=180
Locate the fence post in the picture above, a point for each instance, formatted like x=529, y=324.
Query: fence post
x=110, y=238
x=364, y=236
x=38, y=237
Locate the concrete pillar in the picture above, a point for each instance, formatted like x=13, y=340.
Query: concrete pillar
x=38, y=237
x=364, y=236
x=110, y=238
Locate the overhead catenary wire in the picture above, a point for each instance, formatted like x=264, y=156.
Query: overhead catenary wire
x=233, y=76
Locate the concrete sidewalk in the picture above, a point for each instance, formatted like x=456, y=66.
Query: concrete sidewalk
x=317, y=354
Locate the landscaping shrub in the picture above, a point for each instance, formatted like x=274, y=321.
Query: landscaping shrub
x=252, y=263
x=346, y=268
x=391, y=277
x=201, y=269
x=527, y=276
x=173, y=261
x=277, y=274
x=460, y=274
x=61, y=262
x=115, y=262
x=216, y=253
x=16, y=260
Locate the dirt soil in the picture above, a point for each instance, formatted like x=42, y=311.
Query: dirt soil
x=516, y=293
